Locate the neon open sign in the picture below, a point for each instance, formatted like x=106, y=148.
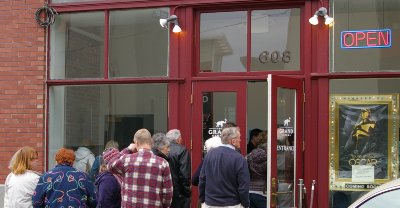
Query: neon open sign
x=366, y=39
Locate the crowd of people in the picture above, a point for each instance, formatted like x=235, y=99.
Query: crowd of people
x=153, y=171
x=150, y=172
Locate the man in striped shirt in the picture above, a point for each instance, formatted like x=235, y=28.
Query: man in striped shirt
x=146, y=177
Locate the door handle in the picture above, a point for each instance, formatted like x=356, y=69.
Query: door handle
x=273, y=192
x=312, y=193
x=289, y=190
x=302, y=191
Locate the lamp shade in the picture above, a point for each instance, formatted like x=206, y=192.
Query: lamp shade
x=323, y=12
x=176, y=29
x=173, y=19
x=328, y=20
x=163, y=22
x=313, y=20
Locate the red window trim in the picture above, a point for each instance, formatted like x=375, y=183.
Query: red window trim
x=118, y=4
x=355, y=75
x=248, y=9
x=114, y=81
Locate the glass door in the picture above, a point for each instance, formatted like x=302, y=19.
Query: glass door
x=215, y=103
x=285, y=116
x=218, y=102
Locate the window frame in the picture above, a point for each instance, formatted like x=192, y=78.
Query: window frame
x=172, y=79
x=248, y=9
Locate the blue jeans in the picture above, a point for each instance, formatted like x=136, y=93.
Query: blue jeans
x=257, y=201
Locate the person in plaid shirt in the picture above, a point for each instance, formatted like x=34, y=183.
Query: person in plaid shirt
x=146, y=177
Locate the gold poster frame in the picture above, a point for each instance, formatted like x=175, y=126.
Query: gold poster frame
x=355, y=104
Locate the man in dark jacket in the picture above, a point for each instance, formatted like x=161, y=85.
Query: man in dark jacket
x=180, y=165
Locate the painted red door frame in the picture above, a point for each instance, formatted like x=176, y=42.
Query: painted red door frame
x=297, y=85
x=197, y=122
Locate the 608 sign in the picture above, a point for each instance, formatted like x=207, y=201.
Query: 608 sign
x=274, y=57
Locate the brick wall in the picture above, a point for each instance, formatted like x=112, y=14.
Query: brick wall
x=22, y=76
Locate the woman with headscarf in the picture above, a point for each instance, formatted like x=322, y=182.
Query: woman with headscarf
x=64, y=186
x=97, y=162
x=21, y=182
x=108, y=185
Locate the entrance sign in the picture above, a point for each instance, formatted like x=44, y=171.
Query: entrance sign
x=366, y=39
x=216, y=131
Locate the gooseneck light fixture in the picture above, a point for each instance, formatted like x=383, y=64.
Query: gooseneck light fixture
x=174, y=20
x=323, y=12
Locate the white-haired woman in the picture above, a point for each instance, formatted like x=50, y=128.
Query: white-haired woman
x=210, y=144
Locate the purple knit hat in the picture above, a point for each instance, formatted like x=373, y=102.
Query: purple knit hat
x=110, y=153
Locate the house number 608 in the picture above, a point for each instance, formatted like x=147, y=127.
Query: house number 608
x=274, y=57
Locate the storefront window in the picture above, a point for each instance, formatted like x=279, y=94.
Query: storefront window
x=138, y=45
x=223, y=42
x=365, y=37
x=77, y=46
x=92, y=115
x=275, y=40
x=364, y=137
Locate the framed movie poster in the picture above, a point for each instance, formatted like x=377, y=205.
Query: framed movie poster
x=363, y=141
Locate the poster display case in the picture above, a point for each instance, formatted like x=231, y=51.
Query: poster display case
x=364, y=136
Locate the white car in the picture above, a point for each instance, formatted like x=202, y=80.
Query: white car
x=386, y=195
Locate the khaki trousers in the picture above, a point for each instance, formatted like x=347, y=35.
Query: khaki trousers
x=204, y=205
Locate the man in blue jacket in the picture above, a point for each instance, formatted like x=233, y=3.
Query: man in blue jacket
x=224, y=177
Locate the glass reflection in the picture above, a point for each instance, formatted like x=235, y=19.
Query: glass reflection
x=371, y=15
x=275, y=39
x=286, y=148
x=138, y=45
x=92, y=115
x=223, y=41
x=77, y=40
x=218, y=109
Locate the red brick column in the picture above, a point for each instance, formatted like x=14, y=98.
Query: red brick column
x=22, y=80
